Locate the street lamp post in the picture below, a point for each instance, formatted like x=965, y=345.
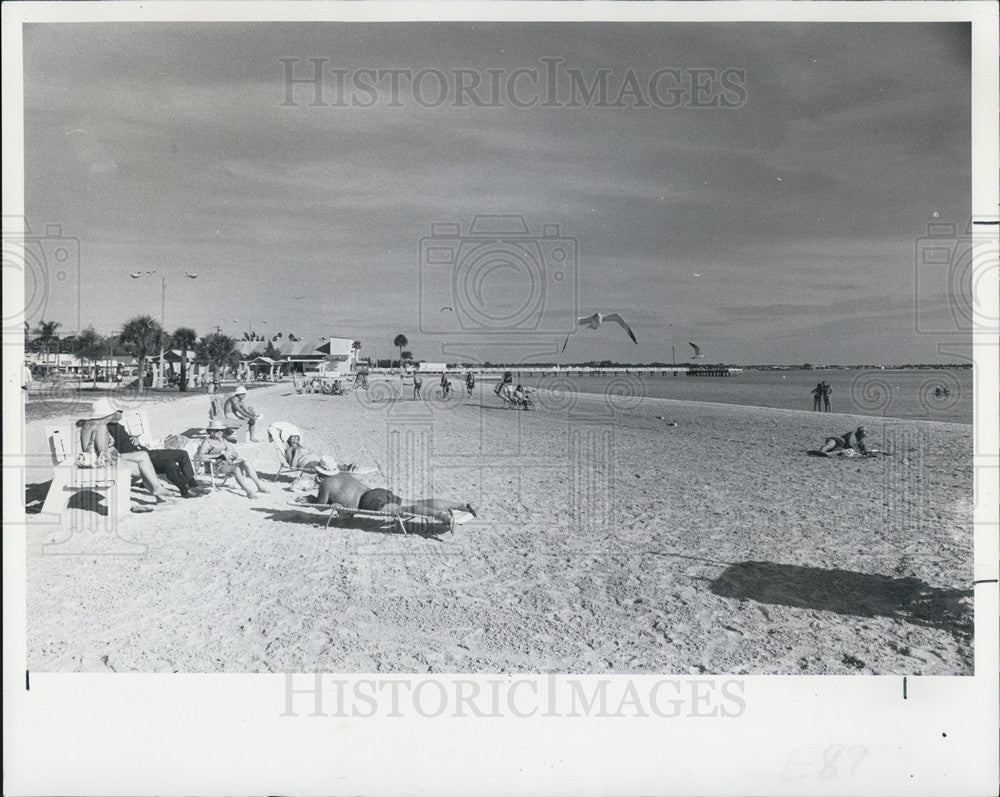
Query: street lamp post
x=163, y=316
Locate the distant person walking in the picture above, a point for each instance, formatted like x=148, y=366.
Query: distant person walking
x=417, y=384
x=827, y=392
x=818, y=397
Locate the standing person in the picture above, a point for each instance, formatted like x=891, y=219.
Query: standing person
x=827, y=391
x=228, y=459
x=445, y=385
x=470, y=382
x=236, y=408
x=417, y=384
x=506, y=385
x=28, y=377
x=817, y=397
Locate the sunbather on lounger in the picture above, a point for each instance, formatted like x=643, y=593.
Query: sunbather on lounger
x=216, y=447
x=336, y=487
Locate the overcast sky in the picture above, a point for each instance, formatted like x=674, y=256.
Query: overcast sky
x=780, y=230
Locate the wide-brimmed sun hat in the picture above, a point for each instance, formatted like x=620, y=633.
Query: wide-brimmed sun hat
x=240, y=391
x=327, y=466
x=102, y=408
x=218, y=426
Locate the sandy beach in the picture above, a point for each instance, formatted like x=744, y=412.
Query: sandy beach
x=608, y=541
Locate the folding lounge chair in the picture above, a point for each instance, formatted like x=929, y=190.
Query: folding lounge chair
x=399, y=519
x=68, y=477
x=279, y=432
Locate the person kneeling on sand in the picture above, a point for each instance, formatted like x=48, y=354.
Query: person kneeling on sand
x=852, y=441
x=336, y=487
x=227, y=458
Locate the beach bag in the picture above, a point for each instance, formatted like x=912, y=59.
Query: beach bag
x=174, y=441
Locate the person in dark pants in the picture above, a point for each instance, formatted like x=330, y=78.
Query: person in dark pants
x=172, y=463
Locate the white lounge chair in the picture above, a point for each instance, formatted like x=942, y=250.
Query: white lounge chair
x=399, y=519
x=68, y=478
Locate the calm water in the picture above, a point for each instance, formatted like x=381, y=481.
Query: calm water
x=892, y=394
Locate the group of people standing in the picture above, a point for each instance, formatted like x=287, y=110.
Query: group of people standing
x=821, y=396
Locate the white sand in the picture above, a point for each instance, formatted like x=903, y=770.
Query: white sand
x=607, y=542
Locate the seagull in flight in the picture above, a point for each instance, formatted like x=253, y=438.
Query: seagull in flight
x=448, y=308
x=595, y=320
x=298, y=298
x=697, y=352
x=189, y=275
x=136, y=274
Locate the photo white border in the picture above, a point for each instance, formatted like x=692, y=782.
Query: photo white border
x=215, y=734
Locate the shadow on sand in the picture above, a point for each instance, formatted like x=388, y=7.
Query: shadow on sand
x=317, y=518
x=847, y=592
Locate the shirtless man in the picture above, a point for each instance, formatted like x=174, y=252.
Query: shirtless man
x=336, y=487
x=235, y=408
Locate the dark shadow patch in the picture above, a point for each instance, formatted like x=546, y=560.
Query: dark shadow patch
x=89, y=500
x=316, y=517
x=34, y=496
x=846, y=592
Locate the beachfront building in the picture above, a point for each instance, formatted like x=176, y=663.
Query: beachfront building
x=326, y=356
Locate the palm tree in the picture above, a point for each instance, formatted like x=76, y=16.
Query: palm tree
x=140, y=336
x=46, y=334
x=185, y=339
x=399, y=342
x=405, y=357
x=91, y=346
x=220, y=351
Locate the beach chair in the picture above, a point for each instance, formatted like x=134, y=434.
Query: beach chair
x=397, y=519
x=278, y=433
x=212, y=467
x=68, y=478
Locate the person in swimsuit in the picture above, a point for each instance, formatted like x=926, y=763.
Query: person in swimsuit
x=216, y=447
x=852, y=440
x=470, y=382
x=337, y=487
x=817, y=397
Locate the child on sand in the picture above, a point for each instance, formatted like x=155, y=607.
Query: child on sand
x=852, y=441
x=227, y=458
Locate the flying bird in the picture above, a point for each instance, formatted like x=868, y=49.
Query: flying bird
x=136, y=274
x=595, y=320
x=189, y=275
x=448, y=308
x=697, y=352
x=297, y=298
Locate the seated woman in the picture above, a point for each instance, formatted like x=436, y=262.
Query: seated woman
x=227, y=459
x=96, y=439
